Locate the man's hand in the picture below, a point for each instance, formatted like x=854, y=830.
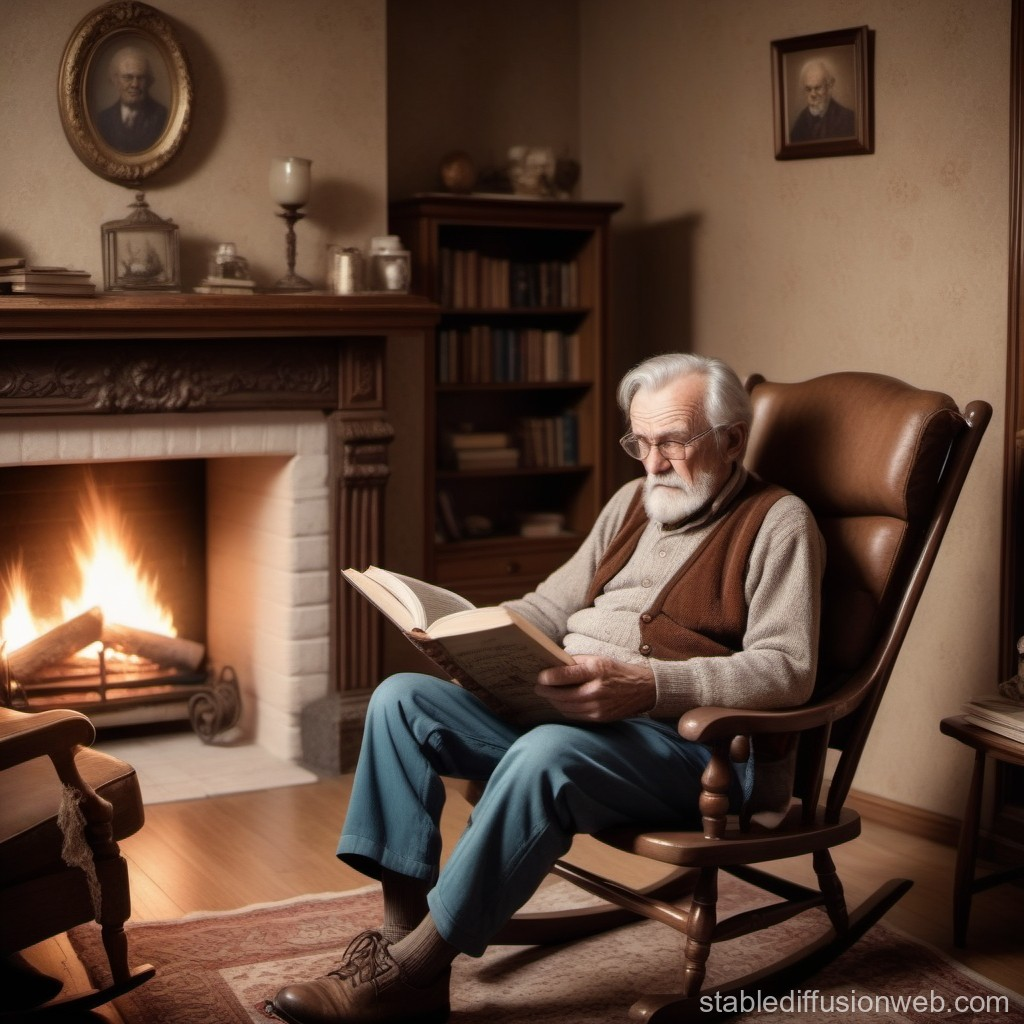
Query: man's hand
x=598, y=689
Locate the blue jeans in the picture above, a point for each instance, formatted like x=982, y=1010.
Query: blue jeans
x=543, y=786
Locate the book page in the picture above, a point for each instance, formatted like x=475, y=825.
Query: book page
x=382, y=598
x=426, y=601
x=496, y=617
x=504, y=659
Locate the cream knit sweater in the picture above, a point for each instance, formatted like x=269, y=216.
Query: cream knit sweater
x=776, y=667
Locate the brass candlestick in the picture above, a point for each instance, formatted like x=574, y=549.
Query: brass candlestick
x=289, y=187
x=291, y=282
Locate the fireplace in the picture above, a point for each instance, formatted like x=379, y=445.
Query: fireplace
x=271, y=412
x=103, y=587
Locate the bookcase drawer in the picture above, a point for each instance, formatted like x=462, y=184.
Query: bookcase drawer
x=481, y=574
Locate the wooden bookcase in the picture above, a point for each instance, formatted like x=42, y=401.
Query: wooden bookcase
x=519, y=357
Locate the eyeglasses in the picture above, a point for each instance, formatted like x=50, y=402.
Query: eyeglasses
x=673, y=449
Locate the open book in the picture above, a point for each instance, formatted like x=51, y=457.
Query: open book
x=492, y=652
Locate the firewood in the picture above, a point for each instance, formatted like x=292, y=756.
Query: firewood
x=56, y=645
x=169, y=651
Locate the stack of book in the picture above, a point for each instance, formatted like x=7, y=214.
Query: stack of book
x=469, y=449
x=542, y=524
x=226, y=286
x=18, y=278
x=997, y=714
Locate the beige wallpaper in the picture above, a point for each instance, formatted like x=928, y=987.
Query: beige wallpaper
x=478, y=76
x=894, y=262
x=302, y=79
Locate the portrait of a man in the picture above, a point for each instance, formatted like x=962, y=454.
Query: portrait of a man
x=823, y=116
x=125, y=91
x=135, y=120
x=823, y=94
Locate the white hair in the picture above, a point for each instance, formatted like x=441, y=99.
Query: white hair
x=126, y=52
x=826, y=67
x=725, y=399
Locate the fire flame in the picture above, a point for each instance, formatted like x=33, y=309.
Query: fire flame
x=111, y=578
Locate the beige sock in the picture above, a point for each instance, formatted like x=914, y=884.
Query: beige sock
x=423, y=955
x=405, y=904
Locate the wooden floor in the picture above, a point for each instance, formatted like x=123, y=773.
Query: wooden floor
x=228, y=852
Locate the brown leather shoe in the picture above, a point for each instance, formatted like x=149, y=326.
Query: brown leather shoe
x=367, y=987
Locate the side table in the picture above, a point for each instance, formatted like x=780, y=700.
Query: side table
x=985, y=744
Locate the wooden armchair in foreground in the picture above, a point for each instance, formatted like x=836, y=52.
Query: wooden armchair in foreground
x=63, y=809
x=881, y=464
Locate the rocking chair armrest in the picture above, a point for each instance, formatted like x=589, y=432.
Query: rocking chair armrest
x=26, y=735
x=704, y=725
x=714, y=724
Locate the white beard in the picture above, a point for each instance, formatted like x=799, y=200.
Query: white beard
x=669, y=500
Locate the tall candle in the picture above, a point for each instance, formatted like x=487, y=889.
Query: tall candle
x=289, y=180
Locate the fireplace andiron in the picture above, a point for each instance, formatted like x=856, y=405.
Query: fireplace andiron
x=213, y=706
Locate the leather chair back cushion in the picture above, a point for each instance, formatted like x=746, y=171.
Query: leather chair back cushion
x=30, y=795
x=865, y=452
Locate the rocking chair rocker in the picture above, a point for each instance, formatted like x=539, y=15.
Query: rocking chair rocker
x=881, y=464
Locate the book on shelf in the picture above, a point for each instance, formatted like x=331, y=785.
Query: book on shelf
x=471, y=279
x=459, y=440
x=22, y=279
x=41, y=275
x=997, y=714
x=47, y=288
x=486, y=354
x=225, y=286
x=451, y=528
x=550, y=441
x=487, y=458
x=492, y=652
x=542, y=524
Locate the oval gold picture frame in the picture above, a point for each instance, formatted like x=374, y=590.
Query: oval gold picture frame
x=89, y=101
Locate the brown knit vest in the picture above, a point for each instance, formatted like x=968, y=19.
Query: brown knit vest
x=702, y=611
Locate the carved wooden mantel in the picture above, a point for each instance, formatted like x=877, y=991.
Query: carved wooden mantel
x=141, y=354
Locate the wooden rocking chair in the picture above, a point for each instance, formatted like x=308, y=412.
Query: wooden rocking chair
x=881, y=464
x=63, y=809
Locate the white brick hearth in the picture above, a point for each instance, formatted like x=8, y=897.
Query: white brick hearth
x=268, y=522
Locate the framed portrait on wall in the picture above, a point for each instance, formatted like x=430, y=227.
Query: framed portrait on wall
x=823, y=95
x=125, y=91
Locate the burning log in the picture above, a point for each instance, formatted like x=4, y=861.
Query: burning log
x=170, y=651
x=56, y=645
x=60, y=644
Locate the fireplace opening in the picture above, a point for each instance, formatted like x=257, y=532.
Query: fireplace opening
x=234, y=514
x=103, y=583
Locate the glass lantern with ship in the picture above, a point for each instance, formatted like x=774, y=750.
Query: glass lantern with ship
x=140, y=252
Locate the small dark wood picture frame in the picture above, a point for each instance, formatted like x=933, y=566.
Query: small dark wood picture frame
x=130, y=41
x=823, y=94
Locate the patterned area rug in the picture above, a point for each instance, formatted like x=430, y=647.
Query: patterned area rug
x=220, y=967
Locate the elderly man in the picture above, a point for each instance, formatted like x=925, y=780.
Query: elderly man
x=135, y=121
x=698, y=585
x=823, y=117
